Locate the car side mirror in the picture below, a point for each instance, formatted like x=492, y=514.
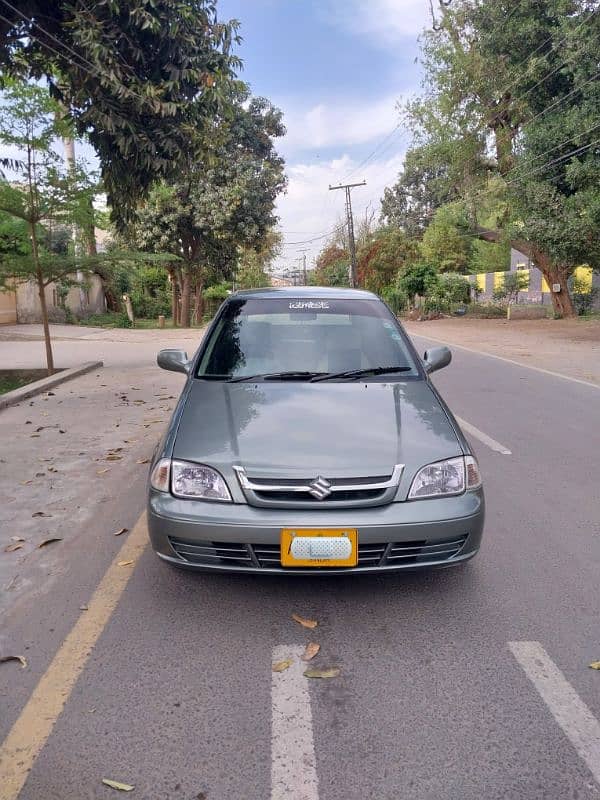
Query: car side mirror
x=173, y=360
x=437, y=358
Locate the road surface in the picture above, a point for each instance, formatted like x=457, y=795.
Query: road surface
x=462, y=684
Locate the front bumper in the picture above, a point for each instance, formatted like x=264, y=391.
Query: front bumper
x=407, y=535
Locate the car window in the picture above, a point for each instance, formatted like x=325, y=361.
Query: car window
x=257, y=336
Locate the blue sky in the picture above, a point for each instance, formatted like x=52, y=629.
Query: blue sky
x=337, y=69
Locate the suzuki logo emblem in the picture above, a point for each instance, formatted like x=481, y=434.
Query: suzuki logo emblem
x=320, y=488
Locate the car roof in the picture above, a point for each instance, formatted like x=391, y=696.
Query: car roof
x=312, y=292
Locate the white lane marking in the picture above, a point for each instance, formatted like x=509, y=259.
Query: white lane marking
x=483, y=437
x=507, y=360
x=293, y=763
x=578, y=723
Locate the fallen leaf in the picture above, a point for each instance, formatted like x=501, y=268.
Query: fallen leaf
x=41, y=428
x=21, y=659
x=49, y=541
x=594, y=665
x=12, y=547
x=26, y=483
x=124, y=563
x=50, y=394
x=332, y=672
x=306, y=623
x=139, y=402
x=40, y=514
x=39, y=474
x=60, y=430
x=52, y=469
x=312, y=648
x=17, y=539
x=122, y=787
x=34, y=436
x=281, y=666
x=91, y=710
x=28, y=422
x=143, y=461
x=114, y=450
x=113, y=457
x=120, y=531
x=102, y=471
x=153, y=421
x=83, y=608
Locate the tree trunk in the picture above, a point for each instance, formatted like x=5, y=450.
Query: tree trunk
x=553, y=273
x=198, y=304
x=186, y=297
x=42, y=295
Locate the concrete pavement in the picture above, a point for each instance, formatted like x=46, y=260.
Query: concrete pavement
x=176, y=696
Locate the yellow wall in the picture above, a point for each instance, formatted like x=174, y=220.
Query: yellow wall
x=499, y=280
x=584, y=276
x=545, y=287
x=480, y=281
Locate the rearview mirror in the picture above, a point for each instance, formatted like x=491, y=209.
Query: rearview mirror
x=173, y=360
x=437, y=358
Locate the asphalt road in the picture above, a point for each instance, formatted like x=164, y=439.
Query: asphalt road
x=434, y=700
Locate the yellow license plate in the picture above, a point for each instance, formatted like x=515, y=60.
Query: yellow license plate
x=319, y=547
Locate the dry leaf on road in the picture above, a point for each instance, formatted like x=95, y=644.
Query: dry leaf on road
x=120, y=531
x=49, y=541
x=102, y=471
x=594, y=665
x=40, y=514
x=10, y=548
x=312, y=648
x=306, y=623
x=21, y=659
x=332, y=672
x=113, y=457
x=17, y=539
x=124, y=563
x=84, y=608
x=122, y=787
x=281, y=666
x=26, y=483
x=143, y=461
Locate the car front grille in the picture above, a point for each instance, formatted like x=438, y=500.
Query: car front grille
x=266, y=556
x=320, y=491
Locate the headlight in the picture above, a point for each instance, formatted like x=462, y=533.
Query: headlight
x=197, y=482
x=442, y=478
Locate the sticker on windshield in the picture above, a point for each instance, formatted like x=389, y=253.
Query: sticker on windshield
x=309, y=305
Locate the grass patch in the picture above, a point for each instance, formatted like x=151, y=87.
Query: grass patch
x=119, y=319
x=10, y=382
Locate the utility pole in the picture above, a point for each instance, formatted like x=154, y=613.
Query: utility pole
x=304, y=251
x=347, y=187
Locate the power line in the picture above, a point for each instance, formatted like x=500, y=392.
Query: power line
x=353, y=265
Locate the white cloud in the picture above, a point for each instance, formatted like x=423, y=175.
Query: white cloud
x=338, y=124
x=387, y=21
x=309, y=209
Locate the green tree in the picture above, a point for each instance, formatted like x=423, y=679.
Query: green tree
x=217, y=205
x=381, y=259
x=29, y=123
x=417, y=280
x=332, y=265
x=513, y=89
x=138, y=78
x=446, y=242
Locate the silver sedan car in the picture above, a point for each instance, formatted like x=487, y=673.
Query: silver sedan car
x=309, y=439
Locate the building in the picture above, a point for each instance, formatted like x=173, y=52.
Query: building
x=23, y=304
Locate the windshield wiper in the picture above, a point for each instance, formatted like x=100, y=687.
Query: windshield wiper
x=359, y=373
x=279, y=376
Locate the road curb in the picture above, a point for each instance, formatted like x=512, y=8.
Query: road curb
x=37, y=387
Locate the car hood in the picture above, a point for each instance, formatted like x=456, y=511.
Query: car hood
x=305, y=429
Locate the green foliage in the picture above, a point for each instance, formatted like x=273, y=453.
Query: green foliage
x=332, y=266
x=155, y=74
x=512, y=284
x=388, y=252
x=220, y=292
x=446, y=242
x=395, y=297
x=418, y=279
x=486, y=311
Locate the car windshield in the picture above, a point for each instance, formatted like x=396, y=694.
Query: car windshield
x=286, y=338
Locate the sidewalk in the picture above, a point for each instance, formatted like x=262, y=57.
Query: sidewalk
x=570, y=347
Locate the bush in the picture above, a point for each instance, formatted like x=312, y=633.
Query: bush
x=395, y=297
x=483, y=311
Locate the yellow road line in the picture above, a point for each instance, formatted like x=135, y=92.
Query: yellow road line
x=35, y=723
